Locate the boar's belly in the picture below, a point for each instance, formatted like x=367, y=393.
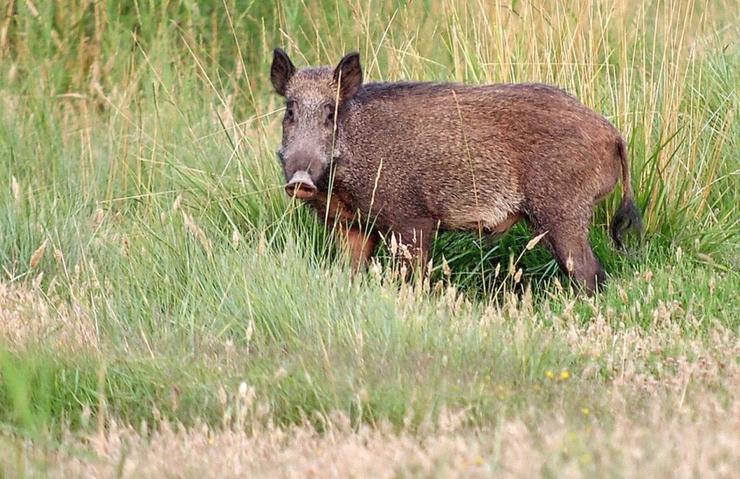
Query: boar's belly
x=490, y=219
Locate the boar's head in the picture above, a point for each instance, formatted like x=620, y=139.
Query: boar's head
x=313, y=102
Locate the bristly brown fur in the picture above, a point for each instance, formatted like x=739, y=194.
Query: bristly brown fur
x=416, y=157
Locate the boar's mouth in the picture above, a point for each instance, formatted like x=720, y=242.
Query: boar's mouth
x=301, y=186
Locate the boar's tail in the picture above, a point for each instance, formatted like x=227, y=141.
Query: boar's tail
x=627, y=216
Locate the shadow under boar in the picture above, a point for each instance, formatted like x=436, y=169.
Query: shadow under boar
x=412, y=158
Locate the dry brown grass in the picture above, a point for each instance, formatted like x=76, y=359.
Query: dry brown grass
x=697, y=441
x=31, y=319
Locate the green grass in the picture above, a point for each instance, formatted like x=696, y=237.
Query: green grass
x=150, y=261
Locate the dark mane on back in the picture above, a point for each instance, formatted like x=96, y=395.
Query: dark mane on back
x=387, y=90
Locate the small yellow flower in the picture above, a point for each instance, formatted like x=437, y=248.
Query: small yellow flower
x=585, y=411
x=564, y=375
x=549, y=374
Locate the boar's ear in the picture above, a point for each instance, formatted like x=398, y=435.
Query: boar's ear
x=348, y=75
x=281, y=72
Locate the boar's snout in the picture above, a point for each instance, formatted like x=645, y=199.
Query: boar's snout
x=301, y=185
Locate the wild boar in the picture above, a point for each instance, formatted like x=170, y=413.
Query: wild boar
x=412, y=158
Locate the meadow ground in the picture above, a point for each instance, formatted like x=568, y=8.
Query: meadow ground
x=166, y=310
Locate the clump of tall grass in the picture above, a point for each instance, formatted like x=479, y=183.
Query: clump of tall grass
x=124, y=106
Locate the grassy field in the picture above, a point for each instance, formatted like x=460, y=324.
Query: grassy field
x=165, y=309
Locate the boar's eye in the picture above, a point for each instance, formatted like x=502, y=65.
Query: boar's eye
x=290, y=112
x=329, y=115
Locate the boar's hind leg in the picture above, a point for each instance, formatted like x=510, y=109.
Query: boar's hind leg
x=358, y=245
x=569, y=243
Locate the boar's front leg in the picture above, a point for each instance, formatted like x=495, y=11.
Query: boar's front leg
x=357, y=244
